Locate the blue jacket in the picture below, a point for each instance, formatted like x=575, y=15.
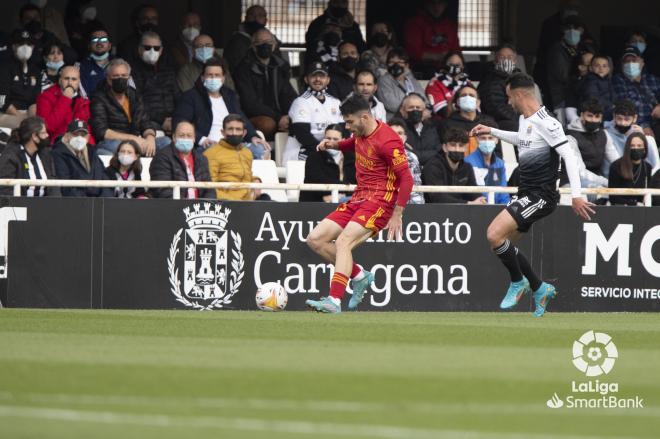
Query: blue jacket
x=91, y=74
x=495, y=176
x=593, y=86
x=68, y=167
x=195, y=106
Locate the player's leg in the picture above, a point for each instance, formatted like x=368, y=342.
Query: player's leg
x=322, y=238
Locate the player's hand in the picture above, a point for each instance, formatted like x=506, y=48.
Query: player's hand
x=480, y=200
x=582, y=208
x=326, y=144
x=479, y=130
x=395, y=225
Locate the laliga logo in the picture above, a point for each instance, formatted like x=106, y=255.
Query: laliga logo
x=594, y=353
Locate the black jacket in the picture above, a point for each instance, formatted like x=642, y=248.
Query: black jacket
x=13, y=164
x=495, y=103
x=18, y=88
x=68, y=167
x=341, y=83
x=426, y=144
x=437, y=172
x=156, y=84
x=320, y=167
x=195, y=105
x=351, y=33
x=616, y=180
x=264, y=90
x=167, y=166
x=456, y=120
x=593, y=86
x=106, y=113
x=655, y=183
x=112, y=173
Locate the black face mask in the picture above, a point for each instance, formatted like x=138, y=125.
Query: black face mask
x=380, y=39
x=414, y=116
x=263, y=50
x=120, y=85
x=455, y=156
x=331, y=39
x=42, y=143
x=395, y=70
x=349, y=63
x=338, y=12
x=454, y=69
x=252, y=26
x=623, y=129
x=234, y=140
x=637, y=154
x=591, y=127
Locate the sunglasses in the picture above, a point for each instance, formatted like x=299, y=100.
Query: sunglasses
x=100, y=40
x=156, y=48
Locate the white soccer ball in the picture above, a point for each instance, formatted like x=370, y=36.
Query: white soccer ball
x=271, y=296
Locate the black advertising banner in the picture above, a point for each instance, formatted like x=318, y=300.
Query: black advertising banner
x=171, y=254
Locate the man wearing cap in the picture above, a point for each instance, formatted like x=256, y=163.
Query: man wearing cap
x=61, y=103
x=76, y=159
x=20, y=82
x=311, y=113
x=640, y=87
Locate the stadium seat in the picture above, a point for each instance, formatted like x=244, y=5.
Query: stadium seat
x=280, y=144
x=508, y=153
x=146, y=162
x=295, y=174
x=266, y=170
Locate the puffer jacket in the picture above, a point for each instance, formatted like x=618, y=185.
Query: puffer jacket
x=494, y=101
x=167, y=166
x=156, y=84
x=228, y=163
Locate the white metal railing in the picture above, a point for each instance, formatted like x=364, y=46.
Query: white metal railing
x=335, y=189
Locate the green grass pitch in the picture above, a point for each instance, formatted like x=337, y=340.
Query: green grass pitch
x=162, y=374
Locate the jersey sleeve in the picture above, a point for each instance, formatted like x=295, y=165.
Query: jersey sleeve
x=299, y=111
x=394, y=154
x=347, y=144
x=552, y=132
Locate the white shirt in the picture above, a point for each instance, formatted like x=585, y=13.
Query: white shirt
x=219, y=109
x=308, y=109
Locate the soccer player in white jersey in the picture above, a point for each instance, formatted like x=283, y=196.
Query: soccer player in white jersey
x=540, y=140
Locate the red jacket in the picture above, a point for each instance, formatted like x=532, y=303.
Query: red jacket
x=424, y=34
x=58, y=111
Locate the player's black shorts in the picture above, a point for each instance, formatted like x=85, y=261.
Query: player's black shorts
x=528, y=207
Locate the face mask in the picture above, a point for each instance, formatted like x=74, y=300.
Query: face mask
x=264, y=50
x=150, y=56
x=126, y=159
x=89, y=13
x=234, y=140
x=213, y=84
x=23, y=52
x=637, y=154
x=78, y=143
x=184, y=145
x=505, y=65
x=640, y=45
x=632, y=69
x=572, y=37
x=455, y=156
x=190, y=33
x=380, y=39
x=487, y=146
x=467, y=103
x=120, y=85
x=99, y=56
x=203, y=54
x=338, y=11
x=591, y=127
x=349, y=63
x=42, y=143
x=454, y=69
x=395, y=70
x=414, y=116
x=623, y=129
x=331, y=39
x=54, y=65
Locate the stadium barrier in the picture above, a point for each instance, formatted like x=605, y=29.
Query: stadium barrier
x=196, y=254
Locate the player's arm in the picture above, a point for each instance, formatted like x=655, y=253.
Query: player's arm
x=396, y=158
x=508, y=136
x=342, y=145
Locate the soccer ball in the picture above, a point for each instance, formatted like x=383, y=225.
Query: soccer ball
x=271, y=297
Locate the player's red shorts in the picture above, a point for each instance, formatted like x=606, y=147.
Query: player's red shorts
x=370, y=215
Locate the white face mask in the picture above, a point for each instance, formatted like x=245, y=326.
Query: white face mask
x=23, y=52
x=190, y=33
x=150, y=56
x=78, y=142
x=89, y=13
x=126, y=159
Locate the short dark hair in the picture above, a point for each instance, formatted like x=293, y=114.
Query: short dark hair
x=232, y=117
x=591, y=105
x=520, y=80
x=455, y=135
x=334, y=127
x=506, y=46
x=397, y=122
x=25, y=8
x=355, y=104
x=97, y=27
x=345, y=42
x=365, y=72
x=625, y=107
x=398, y=52
x=451, y=53
x=213, y=62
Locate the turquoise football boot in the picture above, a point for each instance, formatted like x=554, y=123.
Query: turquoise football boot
x=325, y=305
x=542, y=296
x=515, y=293
x=359, y=288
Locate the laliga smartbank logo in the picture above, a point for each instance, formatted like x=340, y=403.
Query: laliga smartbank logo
x=594, y=355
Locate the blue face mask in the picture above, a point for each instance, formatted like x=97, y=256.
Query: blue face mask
x=467, y=103
x=213, y=84
x=54, y=65
x=487, y=146
x=101, y=57
x=572, y=37
x=640, y=45
x=184, y=145
x=203, y=54
x=632, y=69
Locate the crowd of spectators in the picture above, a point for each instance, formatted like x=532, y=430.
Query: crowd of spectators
x=71, y=94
